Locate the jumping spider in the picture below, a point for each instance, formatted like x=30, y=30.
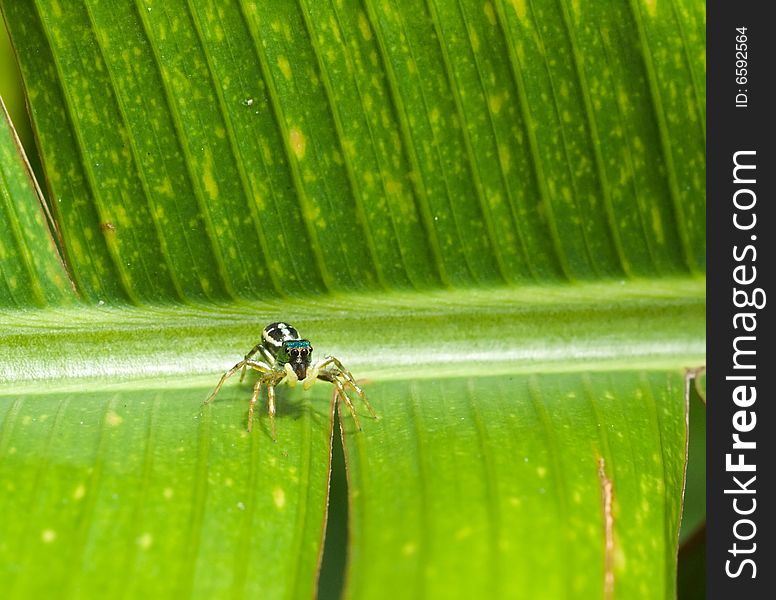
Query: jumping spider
x=282, y=355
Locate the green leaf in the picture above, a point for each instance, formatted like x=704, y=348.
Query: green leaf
x=493, y=480
x=260, y=148
x=32, y=273
x=491, y=211
x=143, y=492
x=408, y=335
x=128, y=445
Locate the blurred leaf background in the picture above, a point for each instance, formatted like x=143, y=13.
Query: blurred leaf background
x=492, y=211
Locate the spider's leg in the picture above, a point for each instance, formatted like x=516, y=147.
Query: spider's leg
x=339, y=370
x=325, y=362
x=259, y=366
x=254, y=399
x=268, y=358
x=343, y=394
x=224, y=377
x=271, y=409
x=251, y=353
x=348, y=377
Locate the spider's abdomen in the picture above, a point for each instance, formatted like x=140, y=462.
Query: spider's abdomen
x=275, y=334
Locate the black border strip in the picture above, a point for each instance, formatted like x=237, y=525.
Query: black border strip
x=740, y=261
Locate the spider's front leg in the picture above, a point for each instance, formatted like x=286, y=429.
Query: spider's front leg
x=346, y=399
x=332, y=370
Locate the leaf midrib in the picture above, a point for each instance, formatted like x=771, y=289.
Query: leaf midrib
x=392, y=336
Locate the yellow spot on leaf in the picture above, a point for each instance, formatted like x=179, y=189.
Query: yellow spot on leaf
x=258, y=198
x=651, y=7
x=520, y=8
x=266, y=152
x=475, y=40
x=313, y=214
x=145, y=541
x=504, y=158
x=79, y=492
x=494, y=200
x=165, y=188
x=575, y=8
x=495, y=103
x=363, y=26
x=48, y=535
x=298, y=142
x=208, y=179
x=393, y=187
x=490, y=14
x=279, y=497
x=113, y=419
x=348, y=147
x=285, y=67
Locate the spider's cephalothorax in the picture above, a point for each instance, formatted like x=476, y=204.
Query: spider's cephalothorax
x=281, y=343
x=282, y=355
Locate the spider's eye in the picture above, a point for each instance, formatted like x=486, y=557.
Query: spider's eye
x=294, y=352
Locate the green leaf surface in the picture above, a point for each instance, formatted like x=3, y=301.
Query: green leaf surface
x=593, y=326
x=257, y=148
x=491, y=211
x=493, y=480
x=480, y=377
x=143, y=492
x=31, y=273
